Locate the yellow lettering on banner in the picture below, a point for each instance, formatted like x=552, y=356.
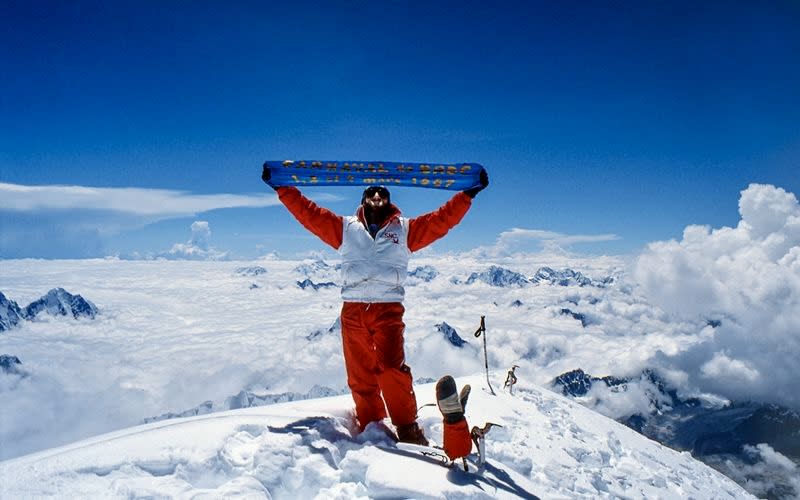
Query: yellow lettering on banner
x=438, y=169
x=404, y=169
x=449, y=182
x=334, y=178
x=466, y=168
x=297, y=180
x=425, y=182
x=301, y=164
x=313, y=179
x=316, y=164
x=413, y=180
x=346, y=167
x=424, y=169
x=389, y=180
x=287, y=163
x=332, y=167
x=351, y=178
x=437, y=183
x=451, y=170
x=382, y=169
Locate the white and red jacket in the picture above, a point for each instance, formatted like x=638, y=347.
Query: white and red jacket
x=374, y=269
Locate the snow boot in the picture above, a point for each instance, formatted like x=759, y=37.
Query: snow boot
x=411, y=433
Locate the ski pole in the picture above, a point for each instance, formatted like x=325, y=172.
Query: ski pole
x=482, y=330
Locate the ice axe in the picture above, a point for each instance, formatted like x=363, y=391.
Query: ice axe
x=482, y=330
x=511, y=379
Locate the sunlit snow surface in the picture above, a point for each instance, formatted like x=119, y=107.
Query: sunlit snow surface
x=548, y=447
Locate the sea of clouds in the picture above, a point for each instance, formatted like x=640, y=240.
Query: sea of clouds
x=748, y=279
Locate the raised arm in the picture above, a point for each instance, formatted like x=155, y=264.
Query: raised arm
x=322, y=222
x=425, y=229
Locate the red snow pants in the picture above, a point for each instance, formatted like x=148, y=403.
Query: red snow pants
x=372, y=339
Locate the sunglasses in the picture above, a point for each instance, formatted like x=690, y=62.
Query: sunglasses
x=382, y=191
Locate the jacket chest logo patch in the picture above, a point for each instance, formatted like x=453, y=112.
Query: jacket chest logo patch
x=390, y=235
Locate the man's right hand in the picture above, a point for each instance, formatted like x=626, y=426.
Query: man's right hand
x=266, y=175
x=483, y=181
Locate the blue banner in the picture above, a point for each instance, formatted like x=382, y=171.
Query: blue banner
x=449, y=176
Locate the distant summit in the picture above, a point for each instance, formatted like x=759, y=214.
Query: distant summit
x=248, y=399
x=307, y=283
x=59, y=302
x=498, y=276
x=10, y=313
x=567, y=277
x=450, y=334
x=424, y=273
x=250, y=271
x=10, y=364
x=502, y=277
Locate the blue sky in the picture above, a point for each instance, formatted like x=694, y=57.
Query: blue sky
x=617, y=124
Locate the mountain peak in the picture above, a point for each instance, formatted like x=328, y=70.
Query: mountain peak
x=59, y=302
x=498, y=276
x=247, y=452
x=450, y=334
x=10, y=313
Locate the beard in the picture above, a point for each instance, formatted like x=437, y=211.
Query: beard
x=376, y=214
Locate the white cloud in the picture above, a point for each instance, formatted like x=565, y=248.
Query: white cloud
x=201, y=233
x=160, y=203
x=198, y=247
x=767, y=473
x=733, y=369
x=518, y=239
x=749, y=278
x=77, y=221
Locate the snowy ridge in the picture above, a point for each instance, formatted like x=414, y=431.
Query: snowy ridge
x=10, y=364
x=250, y=271
x=59, y=302
x=423, y=273
x=503, y=277
x=567, y=277
x=56, y=302
x=728, y=435
x=248, y=399
x=450, y=334
x=10, y=313
x=547, y=447
x=498, y=276
x=307, y=283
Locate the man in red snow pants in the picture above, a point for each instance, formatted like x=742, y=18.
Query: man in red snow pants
x=375, y=245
